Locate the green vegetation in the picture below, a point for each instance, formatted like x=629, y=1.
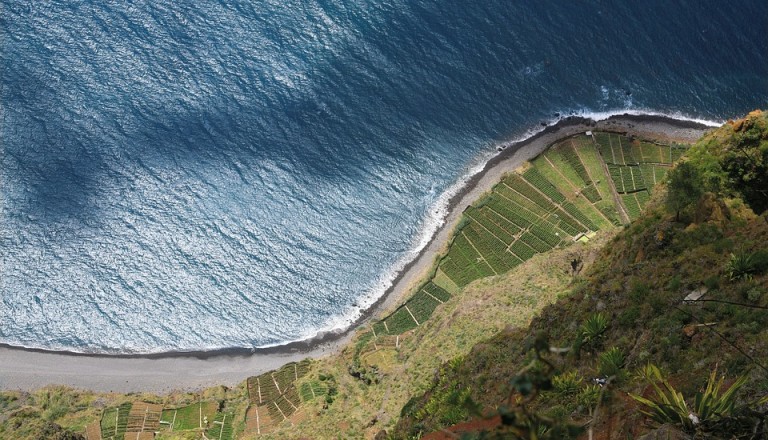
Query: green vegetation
x=710, y=406
x=113, y=422
x=221, y=427
x=594, y=327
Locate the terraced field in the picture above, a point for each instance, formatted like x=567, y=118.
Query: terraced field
x=114, y=422
x=274, y=394
x=578, y=186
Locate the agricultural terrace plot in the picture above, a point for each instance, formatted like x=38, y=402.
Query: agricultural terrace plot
x=556, y=167
x=647, y=152
x=608, y=209
x=221, y=427
x=627, y=179
x=615, y=149
x=189, y=417
x=312, y=390
x=564, y=192
x=587, y=151
x=415, y=311
x=275, y=391
x=114, y=422
x=259, y=421
x=634, y=204
x=93, y=431
x=144, y=417
x=139, y=435
x=677, y=151
x=653, y=174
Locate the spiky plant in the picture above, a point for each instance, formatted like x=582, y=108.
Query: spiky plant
x=669, y=405
x=610, y=362
x=594, y=327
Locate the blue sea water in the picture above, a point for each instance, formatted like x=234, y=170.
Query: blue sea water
x=197, y=175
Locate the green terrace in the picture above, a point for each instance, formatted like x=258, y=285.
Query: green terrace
x=141, y=420
x=274, y=396
x=577, y=187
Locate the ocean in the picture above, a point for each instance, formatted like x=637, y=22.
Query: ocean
x=213, y=174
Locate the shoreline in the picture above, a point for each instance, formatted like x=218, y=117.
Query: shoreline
x=31, y=368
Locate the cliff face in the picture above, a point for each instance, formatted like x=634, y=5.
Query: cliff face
x=633, y=308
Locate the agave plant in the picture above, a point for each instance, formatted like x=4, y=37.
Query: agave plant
x=594, y=327
x=669, y=406
x=610, y=362
x=567, y=384
x=740, y=266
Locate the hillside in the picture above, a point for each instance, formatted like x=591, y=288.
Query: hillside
x=715, y=252
x=548, y=244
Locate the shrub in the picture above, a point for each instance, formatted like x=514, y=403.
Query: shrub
x=589, y=396
x=594, y=328
x=669, y=405
x=610, y=362
x=740, y=266
x=567, y=384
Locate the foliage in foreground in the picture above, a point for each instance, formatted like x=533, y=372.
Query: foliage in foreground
x=669, y=405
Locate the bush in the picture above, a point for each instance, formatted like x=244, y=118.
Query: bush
x=589, y=396
x=567, y=384
x=669, y=405
x=610, y=362
x=740, y=266
x=594, y=328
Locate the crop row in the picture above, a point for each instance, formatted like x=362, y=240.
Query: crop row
x=558, y=220
x=422, y=305
x=506, y=210
x=534, y=177
x=492, y=249
x=627, y=178
x=221, y=427
x=114, y=421
x=481, y=216
x=547, y=233
x=642, y=198
x=496, y=224
x=633, y=208
x=458, y=273
x=570, y=156
x=400, y=321
x=519, y=200
x=609, y=210
x=523, y=251
x=313, y=389
x=556, y=169
x=527, y=190
x=535, y=243
x=437, y=291
x=605, y=147
x=647, y=152
x=654, y=174
x=280, y=409
x=615, y=149
x=484, y=241
x=590, y=193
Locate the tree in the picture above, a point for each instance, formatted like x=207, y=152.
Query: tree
x=685, y=187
